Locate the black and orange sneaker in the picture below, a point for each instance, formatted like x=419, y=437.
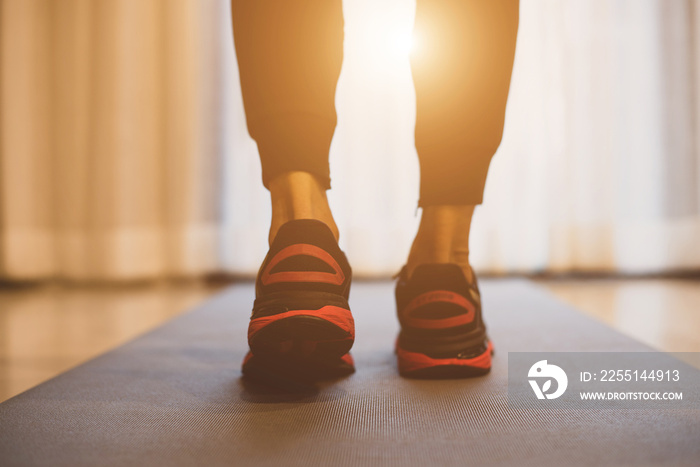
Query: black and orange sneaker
x=442, y=332
x=301, y=314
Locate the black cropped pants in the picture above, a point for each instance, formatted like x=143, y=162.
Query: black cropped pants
x=289, y=56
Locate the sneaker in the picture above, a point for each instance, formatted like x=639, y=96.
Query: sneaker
x=301, y=311
x=442, y=331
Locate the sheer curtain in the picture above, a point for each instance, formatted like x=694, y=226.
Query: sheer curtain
x=599, y=168
x=111, y=130
x=124, y=152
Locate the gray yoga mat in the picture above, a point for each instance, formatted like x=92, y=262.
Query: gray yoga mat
x=175, y=397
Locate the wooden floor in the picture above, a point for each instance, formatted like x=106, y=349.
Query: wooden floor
x=662, y=313
x=47, y=330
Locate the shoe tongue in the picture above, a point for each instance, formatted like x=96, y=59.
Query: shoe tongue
x=438, y=277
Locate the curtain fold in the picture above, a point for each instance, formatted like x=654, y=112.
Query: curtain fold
x=124, y=152
x=110, y=159
x=600, y=149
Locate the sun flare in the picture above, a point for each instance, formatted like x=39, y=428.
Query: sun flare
x=401, y=43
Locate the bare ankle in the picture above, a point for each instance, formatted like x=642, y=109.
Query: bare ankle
x=299, y=195
x=443, y=237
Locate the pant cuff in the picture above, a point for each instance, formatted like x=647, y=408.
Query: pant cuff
x=294, y=142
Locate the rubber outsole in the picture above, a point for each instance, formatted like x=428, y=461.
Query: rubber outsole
x=303, y=334
x=420, y=366
x=291, y=372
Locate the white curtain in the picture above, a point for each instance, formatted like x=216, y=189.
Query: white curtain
x=600, y=166
x=124, y=152
x=111, y=138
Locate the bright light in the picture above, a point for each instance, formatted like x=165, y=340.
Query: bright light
x=381, y=33
x=401, y=43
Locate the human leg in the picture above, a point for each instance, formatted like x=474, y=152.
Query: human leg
x=461, y=71
x=289, y=55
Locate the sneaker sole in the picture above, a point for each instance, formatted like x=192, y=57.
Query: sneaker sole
x=303, y=334
x=289, y=369
x=420, y=366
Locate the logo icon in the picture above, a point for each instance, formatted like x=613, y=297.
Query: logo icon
x=543, y=370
